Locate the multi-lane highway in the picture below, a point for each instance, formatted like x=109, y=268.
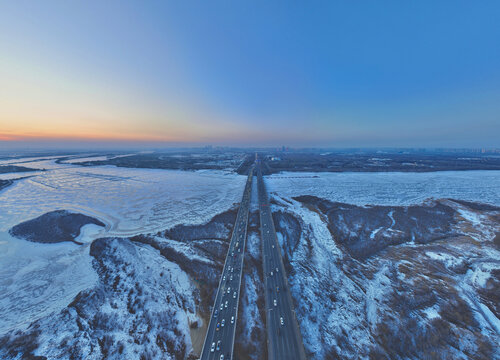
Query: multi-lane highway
x=283, y=336
x=219, y=340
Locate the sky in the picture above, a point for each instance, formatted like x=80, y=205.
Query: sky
x=250, y=73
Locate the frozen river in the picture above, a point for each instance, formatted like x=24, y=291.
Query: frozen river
x=390, y=188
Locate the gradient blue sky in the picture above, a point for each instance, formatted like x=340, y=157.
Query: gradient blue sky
x=350, y=73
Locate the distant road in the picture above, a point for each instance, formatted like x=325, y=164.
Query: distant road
x=283, y=334
x=219, y=340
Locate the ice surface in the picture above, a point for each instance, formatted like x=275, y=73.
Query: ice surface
x=128, y=201
x=391, y=188
x=37, y=279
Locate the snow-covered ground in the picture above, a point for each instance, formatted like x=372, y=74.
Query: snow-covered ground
x=391, y=188
x=36, y=279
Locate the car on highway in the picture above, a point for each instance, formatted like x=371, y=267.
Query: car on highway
x=275, y=302
x=281, y=321
x=218, y=345
x=221, y=357
x=223, y=322
x=217, y=327
x=224, y=278
x=221, y=307
x=273, y=246
x=212, y=348
x=228, y=290
x=232, y=319
x=272, y=273
x=234, y=295
x=277, y=289
x=231, y=277
x=226, y=304
x=215, y=313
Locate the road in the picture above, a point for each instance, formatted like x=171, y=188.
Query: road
x=283, y=335
x=219, y=340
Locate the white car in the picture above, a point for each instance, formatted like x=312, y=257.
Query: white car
x=231, y=277
x=225, y=305
x=223, y=322
x=221, y=356
x=275, y=302
x=232, y=319
x=234, y=295
x=228, y=290
x=273, y=246
x=224, y=278
x=281, y=321
x=221, y=307
x=218, y=345
x=212, y=348
x=272, y=273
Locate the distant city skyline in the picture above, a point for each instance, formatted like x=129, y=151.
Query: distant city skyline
x=163, y=74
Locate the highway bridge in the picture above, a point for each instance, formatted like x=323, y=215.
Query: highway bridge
x=283, y=335
x=219, y=340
